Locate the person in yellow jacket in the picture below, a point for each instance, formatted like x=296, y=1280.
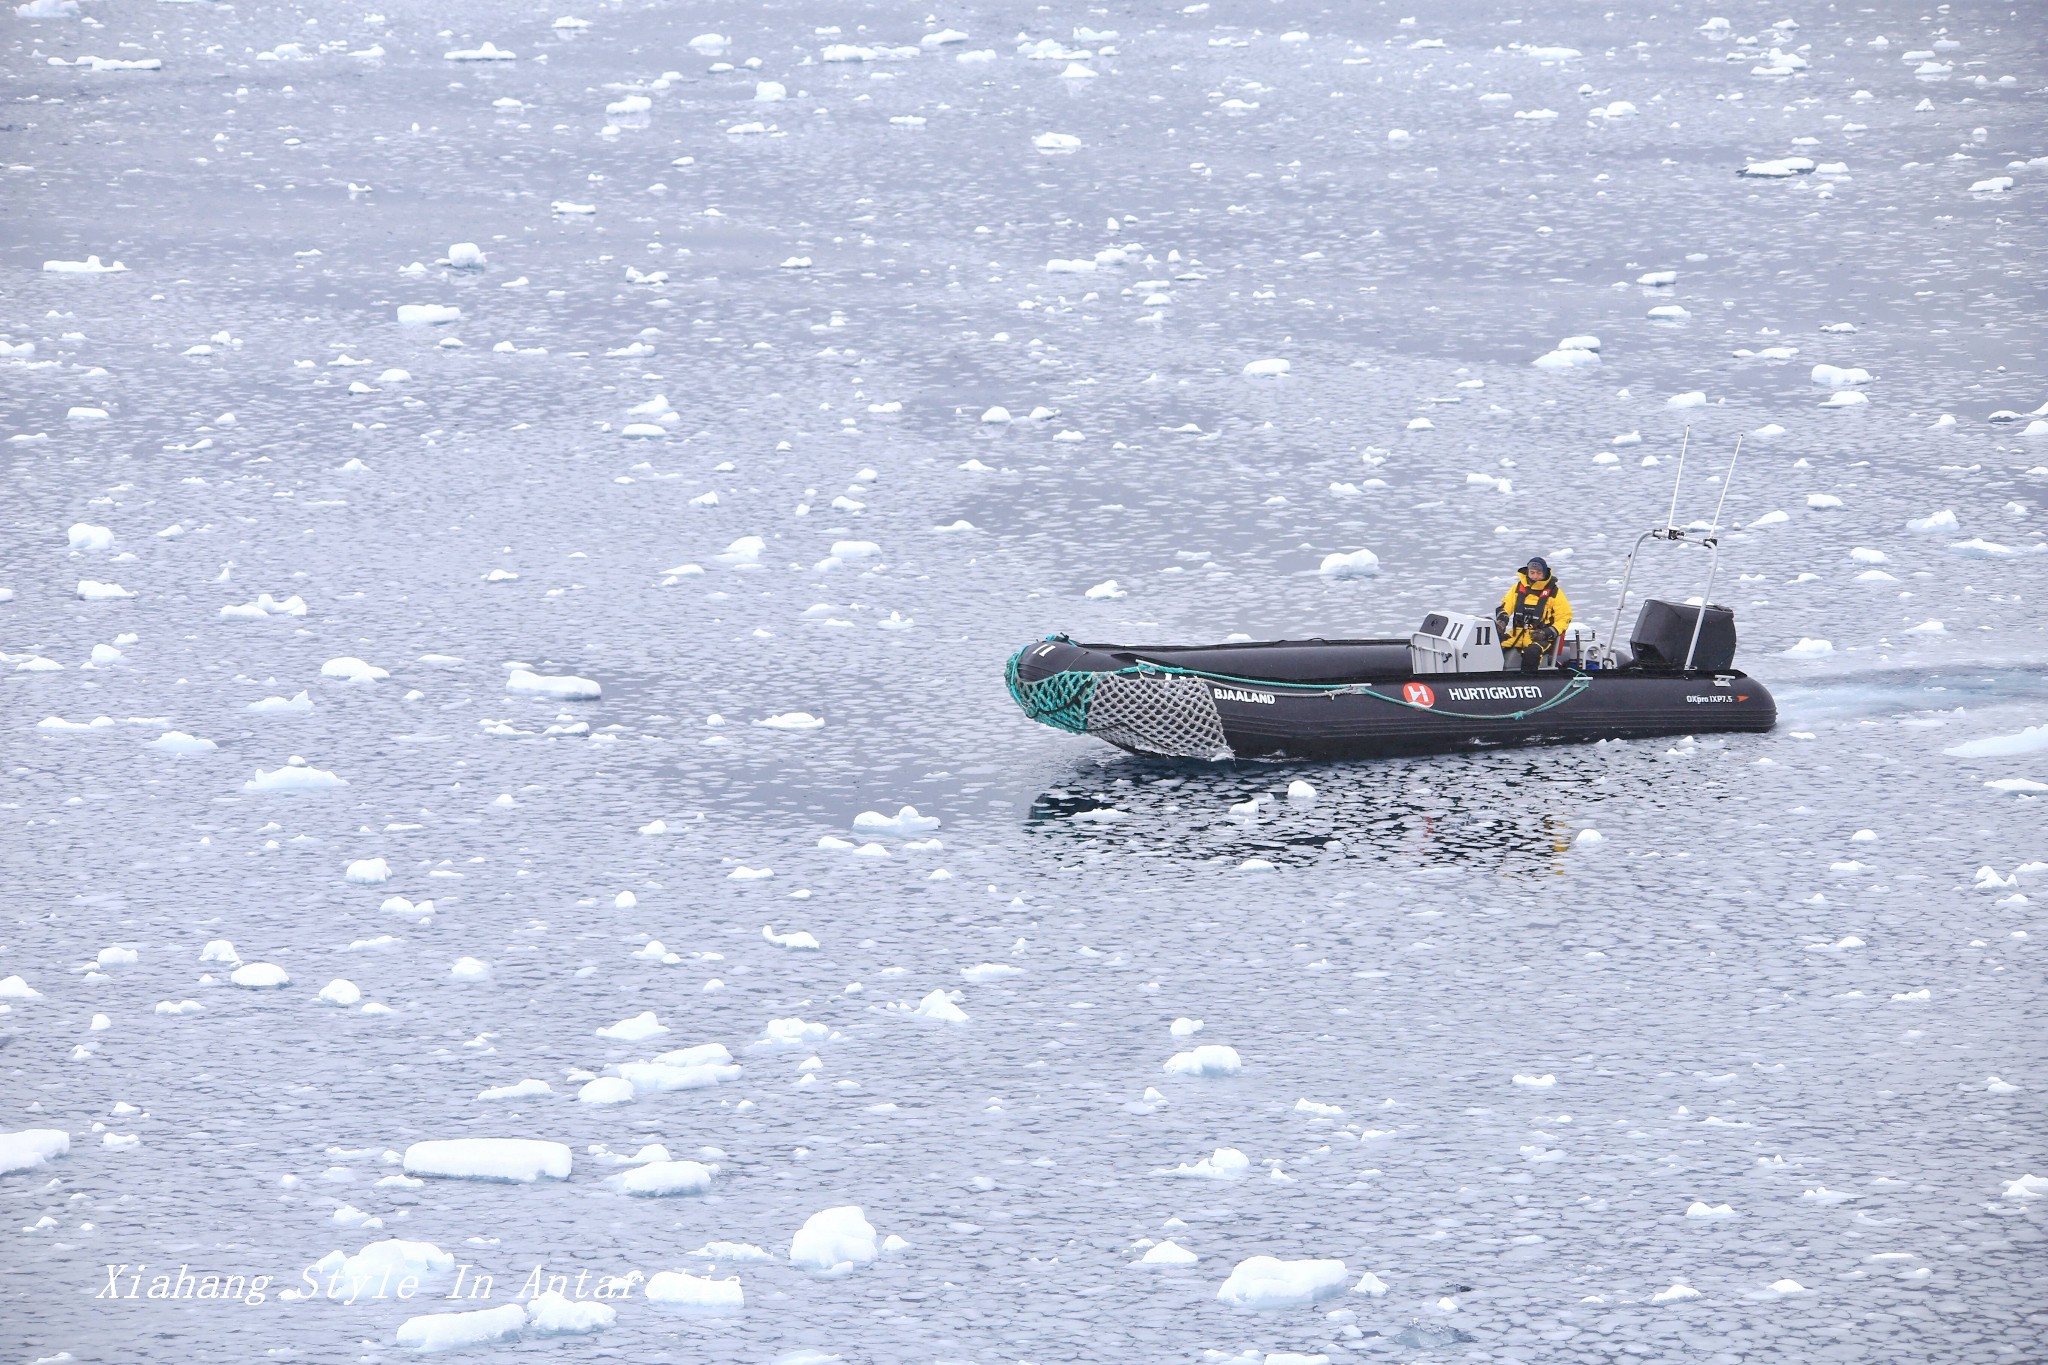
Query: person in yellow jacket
x=1532, y=617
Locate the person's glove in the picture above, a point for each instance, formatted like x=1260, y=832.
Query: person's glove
x=1500, y=623
x=1547, y=637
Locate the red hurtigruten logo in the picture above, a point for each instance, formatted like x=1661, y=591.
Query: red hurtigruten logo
x=1418, y=694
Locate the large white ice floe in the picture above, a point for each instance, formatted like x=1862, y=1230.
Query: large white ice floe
x=511, y=1160
x=680, y=1289
x=296, y=776
x=563, y=687
x=1268, y=1282
x=905, y=822
x=379, y=1270
x=1225, y=1163
x=455, y=1331
x=1354, y=564
x=637, y=1029
x=427, y=314
x=259, y=976
x=348, y=668
x=660, y=1179
x=1210, y=1059
x=834, y=1241
x=2032, y=740
x=32, y=1148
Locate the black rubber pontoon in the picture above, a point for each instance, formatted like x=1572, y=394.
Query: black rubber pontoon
x=1330, y=699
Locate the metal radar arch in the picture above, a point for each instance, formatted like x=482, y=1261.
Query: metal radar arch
x=1672, y=534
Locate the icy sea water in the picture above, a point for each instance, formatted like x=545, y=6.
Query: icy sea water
x=1753, y=1075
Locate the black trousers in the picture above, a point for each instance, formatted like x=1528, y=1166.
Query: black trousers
x=1531, y=657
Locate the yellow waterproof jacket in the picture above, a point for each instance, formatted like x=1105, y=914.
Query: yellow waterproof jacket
x=1544, y=602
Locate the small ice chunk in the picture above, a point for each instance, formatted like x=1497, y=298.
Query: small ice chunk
x=555, y=1314
x=1356, y=564
x=680, y=1289
x=368, y=872
x=834, y=1241
x=451, y=1331
x=565, y=687
x=1264, y=1283
x=660, y=1179
x=1225, y=1163
x=1168, y=1253
x=341, y=991
x=906, y=821
x=1210, y=1059
x=519, y=1161
x=637, y=1029
x=259, y=976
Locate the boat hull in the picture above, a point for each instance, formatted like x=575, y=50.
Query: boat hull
x=1339, y=700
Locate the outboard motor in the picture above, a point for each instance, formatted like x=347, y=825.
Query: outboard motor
x=1664, y=630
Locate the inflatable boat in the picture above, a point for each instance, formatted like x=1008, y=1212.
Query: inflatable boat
x=1442, y=688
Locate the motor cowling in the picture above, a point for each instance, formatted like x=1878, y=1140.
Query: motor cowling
x=1664, y=631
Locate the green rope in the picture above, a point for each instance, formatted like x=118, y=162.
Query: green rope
x=1062, y=699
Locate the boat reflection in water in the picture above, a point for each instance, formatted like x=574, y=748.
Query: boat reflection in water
x=1464, y=812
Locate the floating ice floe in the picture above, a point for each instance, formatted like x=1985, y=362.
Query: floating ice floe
x=341, y=992
x=834, y=1241
x=296, y=776
x=489, y=52
x=83, y=536
x=664, y=1179
x=1056, y=142
x=791, y=720
x=1782, y=169
x=368, y=872
x=476, y=1327
x=637, y=1029
x=1809, y=648
x=1210, y=1059
x=260, y=976
x=1225, y=1163
x=178, y=742
x=298, y=704
x=2032, y=740
x=1267, y=369
x=680, y=1289
x=1979, y=548
x=264, y=607
x=1266, y=1283
x=1543, y=1082
x=1167, y=1252
x=519, y=1161
x=905, y=822
x=92, y=590
x=518, y=1090
x=1355, y=564
x=564, y=687
x=33, y=1148
x=427, y=314
x=1676, y=1293
x=348, y=668
x=89, y=266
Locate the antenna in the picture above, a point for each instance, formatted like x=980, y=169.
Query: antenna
x=1726, y=479
x=1670, y=517
x=1713, y=540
